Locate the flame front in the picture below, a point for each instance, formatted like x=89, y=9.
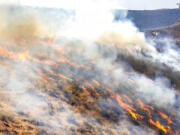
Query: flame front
x=135, y=109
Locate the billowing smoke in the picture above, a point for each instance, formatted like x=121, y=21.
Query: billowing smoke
x=115, y=53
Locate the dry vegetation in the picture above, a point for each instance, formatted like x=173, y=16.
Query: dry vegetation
x=171, y=31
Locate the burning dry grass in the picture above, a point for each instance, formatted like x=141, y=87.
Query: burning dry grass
x=17, y=125
x=151, y=69
x=11, y=122
x=85, y=101
x=70, y=92
x=85, y=97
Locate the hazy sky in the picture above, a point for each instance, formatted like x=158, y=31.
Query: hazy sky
x=150, y=4
x=129, y=4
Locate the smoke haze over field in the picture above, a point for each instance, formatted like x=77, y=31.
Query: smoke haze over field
x=46, y=59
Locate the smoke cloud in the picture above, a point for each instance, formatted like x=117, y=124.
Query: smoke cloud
x=21, y=25
x=115, y=53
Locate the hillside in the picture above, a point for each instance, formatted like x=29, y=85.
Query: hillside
x=151, y=19
x=63, y=74
x=172, y=31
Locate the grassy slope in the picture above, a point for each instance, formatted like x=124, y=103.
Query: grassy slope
x=151, y=19
x=172, y=31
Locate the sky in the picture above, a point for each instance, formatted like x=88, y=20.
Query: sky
x=150, y=4
x=127, y=4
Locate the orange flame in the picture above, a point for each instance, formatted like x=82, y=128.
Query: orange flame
x=97, y=83
x=165, y=117
x=158, y=125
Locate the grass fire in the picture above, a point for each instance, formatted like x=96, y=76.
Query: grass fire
x=83, y=72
